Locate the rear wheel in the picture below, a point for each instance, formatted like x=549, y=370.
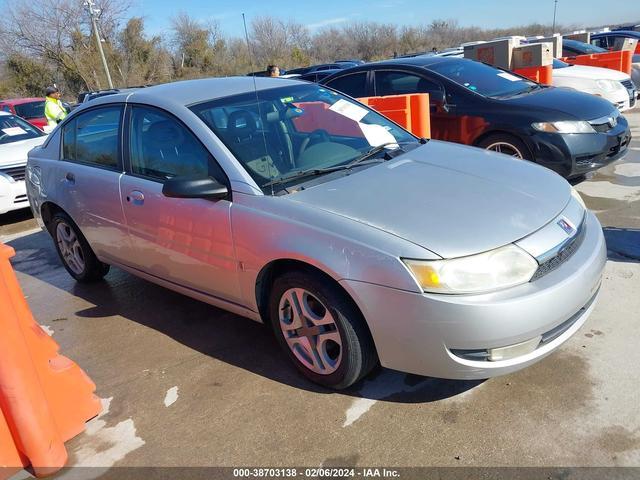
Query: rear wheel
x=321, y=330
x=74, y=250
x=507, y=145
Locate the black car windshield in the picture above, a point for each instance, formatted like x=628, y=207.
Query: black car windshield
x=581, y=47
x=30, y=109
x=298, y=129
x=560, y=64
x=14, y=129
x=482, y=78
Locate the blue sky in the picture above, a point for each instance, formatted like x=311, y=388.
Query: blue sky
x=318, y=13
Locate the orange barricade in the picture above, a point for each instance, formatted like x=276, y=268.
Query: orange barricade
x=619, y=60
x=410, y=111
x=537, y=74
x=45, y=398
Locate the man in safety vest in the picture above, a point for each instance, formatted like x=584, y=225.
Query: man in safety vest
x=53, y=109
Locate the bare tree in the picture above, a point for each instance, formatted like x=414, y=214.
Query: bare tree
x=57, y=32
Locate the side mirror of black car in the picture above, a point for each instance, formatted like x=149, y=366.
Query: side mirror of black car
x=194, y=187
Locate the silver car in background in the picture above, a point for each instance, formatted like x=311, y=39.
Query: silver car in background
x=294, y=205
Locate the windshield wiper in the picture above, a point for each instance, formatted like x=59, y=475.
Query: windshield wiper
x=312, y=172
x=370, y=153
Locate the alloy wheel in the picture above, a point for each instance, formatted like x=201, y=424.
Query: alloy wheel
x=506, y=149
x=70, y=248
x=310, y=331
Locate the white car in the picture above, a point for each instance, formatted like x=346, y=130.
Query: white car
x=17, y=137
x=609, y=84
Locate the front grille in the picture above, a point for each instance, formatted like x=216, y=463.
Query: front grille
x=628, y=84
x=17, y=173
x=562, y=256
x=601, y=127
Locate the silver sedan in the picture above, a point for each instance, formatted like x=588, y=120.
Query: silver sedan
x=297, y=206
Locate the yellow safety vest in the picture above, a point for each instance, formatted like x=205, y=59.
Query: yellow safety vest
x=54, y=111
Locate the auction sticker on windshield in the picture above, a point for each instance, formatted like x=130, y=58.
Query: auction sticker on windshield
x=349, y=110
x=509, y=77
x=13, y=131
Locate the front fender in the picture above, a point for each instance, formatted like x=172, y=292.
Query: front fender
x=267, y=229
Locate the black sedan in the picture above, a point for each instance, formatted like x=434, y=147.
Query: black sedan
x=477, y=104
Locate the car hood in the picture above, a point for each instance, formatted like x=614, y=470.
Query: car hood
x=16, y=152
x=450, y=199
x=591, y=73
x=571, y=103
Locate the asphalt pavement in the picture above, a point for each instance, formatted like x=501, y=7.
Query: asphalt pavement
x=186, y=384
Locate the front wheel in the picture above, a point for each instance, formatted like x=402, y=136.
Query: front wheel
x=321, y=330
x=507, y=145
x=74, y=250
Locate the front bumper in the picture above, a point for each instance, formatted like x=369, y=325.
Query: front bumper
x=572, y=155
x=13, y=194
x=418, y=333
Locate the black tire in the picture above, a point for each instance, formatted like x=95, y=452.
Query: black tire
x=510, y=141
x=358, y=355
x=92, y=269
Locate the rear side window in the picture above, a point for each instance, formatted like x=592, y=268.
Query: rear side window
x=30, y=110
x=402, y=83
x=354, y=85
x=93, y=138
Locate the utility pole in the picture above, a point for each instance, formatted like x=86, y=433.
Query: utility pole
x=555, y=8
x=93, y=13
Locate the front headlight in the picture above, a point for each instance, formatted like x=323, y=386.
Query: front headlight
x=609, y=85
x=486, y=272
x=565, y=126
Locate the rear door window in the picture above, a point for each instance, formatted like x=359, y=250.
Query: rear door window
x=354, y=85
x=93, y=138
x=402, y=83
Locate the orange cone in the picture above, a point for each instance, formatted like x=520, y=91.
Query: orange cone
x=45, y=398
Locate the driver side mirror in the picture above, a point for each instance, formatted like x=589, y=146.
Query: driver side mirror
x=194, y=187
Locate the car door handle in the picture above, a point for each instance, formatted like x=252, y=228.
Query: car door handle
x=135, y=197
x=70, y=177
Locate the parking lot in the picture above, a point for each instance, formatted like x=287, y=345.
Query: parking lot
x=186, y=384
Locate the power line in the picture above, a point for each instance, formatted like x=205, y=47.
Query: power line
x=94, y=13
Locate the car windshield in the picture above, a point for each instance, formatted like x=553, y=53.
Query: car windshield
x=296, y=130
x=482, y=78
x=14, y=129
x=559, y=64
x=30, y=109
x=584, y=48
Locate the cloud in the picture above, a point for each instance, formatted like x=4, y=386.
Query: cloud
x=327, y=22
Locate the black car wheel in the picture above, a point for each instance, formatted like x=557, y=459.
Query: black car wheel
x=507, y=145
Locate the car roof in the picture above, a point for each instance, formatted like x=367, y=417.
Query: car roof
x=189, y=92
x=419, y=61
x=18, y=101
x=617, y=33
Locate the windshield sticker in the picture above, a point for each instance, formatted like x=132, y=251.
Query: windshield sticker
x=349, y=110
x=286, y=99
x=376, y=134
x=508, y=76
x=14, y=131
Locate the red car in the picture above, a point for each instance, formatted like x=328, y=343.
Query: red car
x=31, y=109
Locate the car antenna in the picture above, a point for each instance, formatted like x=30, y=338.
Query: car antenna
x=255, y=89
